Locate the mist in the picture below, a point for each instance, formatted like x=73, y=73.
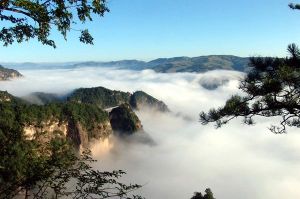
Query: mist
x=235, y=161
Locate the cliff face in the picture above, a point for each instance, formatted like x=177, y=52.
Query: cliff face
x=7, y=74
x=81, y=123
x=71, y=129
x=124, y=121
x=81, y=118
x=5, y=96
x=48, y=126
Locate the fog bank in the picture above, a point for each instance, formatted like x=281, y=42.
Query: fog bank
x=236, y=161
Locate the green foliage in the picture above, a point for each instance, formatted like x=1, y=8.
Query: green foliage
x=45, y=168
x=100, y=96
x=141, y=98
x=29, y=19
x=105, y=98
x=86, y=114
x=208, y=195
x=124, y=120
x=87, y=182
x=272, y=88
x=53, y=169
x=24, y=162
x=198, y=64
x=294, y=6
x=16, y=113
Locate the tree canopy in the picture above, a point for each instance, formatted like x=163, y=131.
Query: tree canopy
x=28, y=19
x=271, y=88
x=294, y=6
x=46, y=164
x=208, y=195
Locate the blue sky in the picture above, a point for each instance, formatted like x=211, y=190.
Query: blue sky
x=149, y=29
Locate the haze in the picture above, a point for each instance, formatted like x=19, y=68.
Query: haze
x=236, y=161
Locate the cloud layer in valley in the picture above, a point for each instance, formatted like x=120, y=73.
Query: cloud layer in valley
x=236, y=161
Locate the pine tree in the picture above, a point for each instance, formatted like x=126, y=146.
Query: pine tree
x=271, y=88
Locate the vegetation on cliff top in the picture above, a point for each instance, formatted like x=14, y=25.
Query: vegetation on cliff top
x=106, y=98
x=6, y=74
x=100, y=96
x=140, y=99
x=124, y=121
x=19, y=113
x=39, y=167
x=271, y=89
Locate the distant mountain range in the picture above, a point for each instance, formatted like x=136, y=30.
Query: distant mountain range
x=165, y=65
x=201, y=64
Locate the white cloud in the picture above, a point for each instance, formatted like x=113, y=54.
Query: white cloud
x=236, y=161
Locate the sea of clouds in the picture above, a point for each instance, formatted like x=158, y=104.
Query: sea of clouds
x=235, y=161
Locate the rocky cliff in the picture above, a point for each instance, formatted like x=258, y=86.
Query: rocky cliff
x=7, y=74
x=140, y=100
x=81, y=123
x=124, y=121
x=81, y=117
x=5, y=96
x=75, y=131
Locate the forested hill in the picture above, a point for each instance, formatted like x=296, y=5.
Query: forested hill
x=82, y=116
x=165, y=65
x=106, y=98
x=199, y=64
x=180, y=64
x=101, y=97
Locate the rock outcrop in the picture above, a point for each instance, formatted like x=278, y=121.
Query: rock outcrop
x=7, y=74
x=140, y=100
x=124, y=121
x=105, y=98
x=81, y=117
x=74, y=130
x=5, y=96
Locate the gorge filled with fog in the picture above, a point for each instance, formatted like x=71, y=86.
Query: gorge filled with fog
x=235, y=161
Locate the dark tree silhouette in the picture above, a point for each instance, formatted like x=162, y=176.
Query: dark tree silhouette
x=272, y=88
x=294, y=6
x=27, y=19
x=33, y=170
x=208, y=195
x=48, y=164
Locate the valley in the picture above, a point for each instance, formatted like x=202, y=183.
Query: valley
x=171, y=151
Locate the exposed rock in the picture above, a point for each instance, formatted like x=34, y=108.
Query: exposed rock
x=5, y=96
x=140, y=99
x=100, y=130
x=48, y=126
x=78, y=134
x=7, y=74
x=124, y=121
x=80, y=122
